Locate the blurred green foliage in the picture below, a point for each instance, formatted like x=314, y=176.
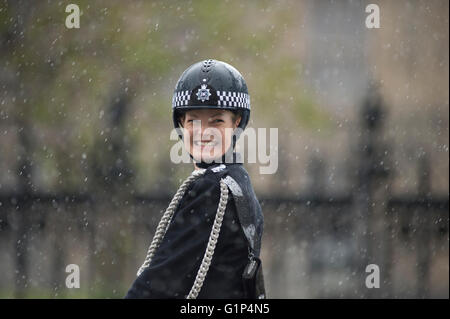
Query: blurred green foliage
x=63, y=80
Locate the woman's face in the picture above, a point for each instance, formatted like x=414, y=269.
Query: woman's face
x=208, y=132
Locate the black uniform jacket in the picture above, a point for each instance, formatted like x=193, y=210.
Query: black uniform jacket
x=175, y=264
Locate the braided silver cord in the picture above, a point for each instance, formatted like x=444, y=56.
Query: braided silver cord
x=213, y=237
x=167, y=217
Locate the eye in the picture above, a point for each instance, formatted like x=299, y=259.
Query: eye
x=218, y=120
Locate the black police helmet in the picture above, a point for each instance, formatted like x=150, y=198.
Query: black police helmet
x=211, y=84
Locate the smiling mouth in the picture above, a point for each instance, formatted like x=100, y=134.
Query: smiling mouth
x=201, y=143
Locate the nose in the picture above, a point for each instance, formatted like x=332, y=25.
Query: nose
x=198, y=128
x=202, y=130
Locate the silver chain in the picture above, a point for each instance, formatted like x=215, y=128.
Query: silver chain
x=213, y=237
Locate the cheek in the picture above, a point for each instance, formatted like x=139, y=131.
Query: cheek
x=187, y=136
x=187, y=143
x=226, y=137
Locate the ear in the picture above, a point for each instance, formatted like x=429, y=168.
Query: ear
x=238, y=120
x=181, y=119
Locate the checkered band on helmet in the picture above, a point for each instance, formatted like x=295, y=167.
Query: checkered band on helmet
x=180, y=98
x=211, y=84
x=224, y=98
x=236, y=99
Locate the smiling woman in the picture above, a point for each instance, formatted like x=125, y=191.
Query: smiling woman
x=208, y=132
x=187, y=258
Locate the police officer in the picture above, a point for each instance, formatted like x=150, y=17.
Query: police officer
x=208, y=242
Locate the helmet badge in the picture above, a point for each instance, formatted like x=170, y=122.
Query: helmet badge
x=203, y=93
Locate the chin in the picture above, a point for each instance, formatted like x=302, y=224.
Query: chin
x=206, y=156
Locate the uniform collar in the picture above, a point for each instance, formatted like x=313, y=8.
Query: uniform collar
x=236, y=159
